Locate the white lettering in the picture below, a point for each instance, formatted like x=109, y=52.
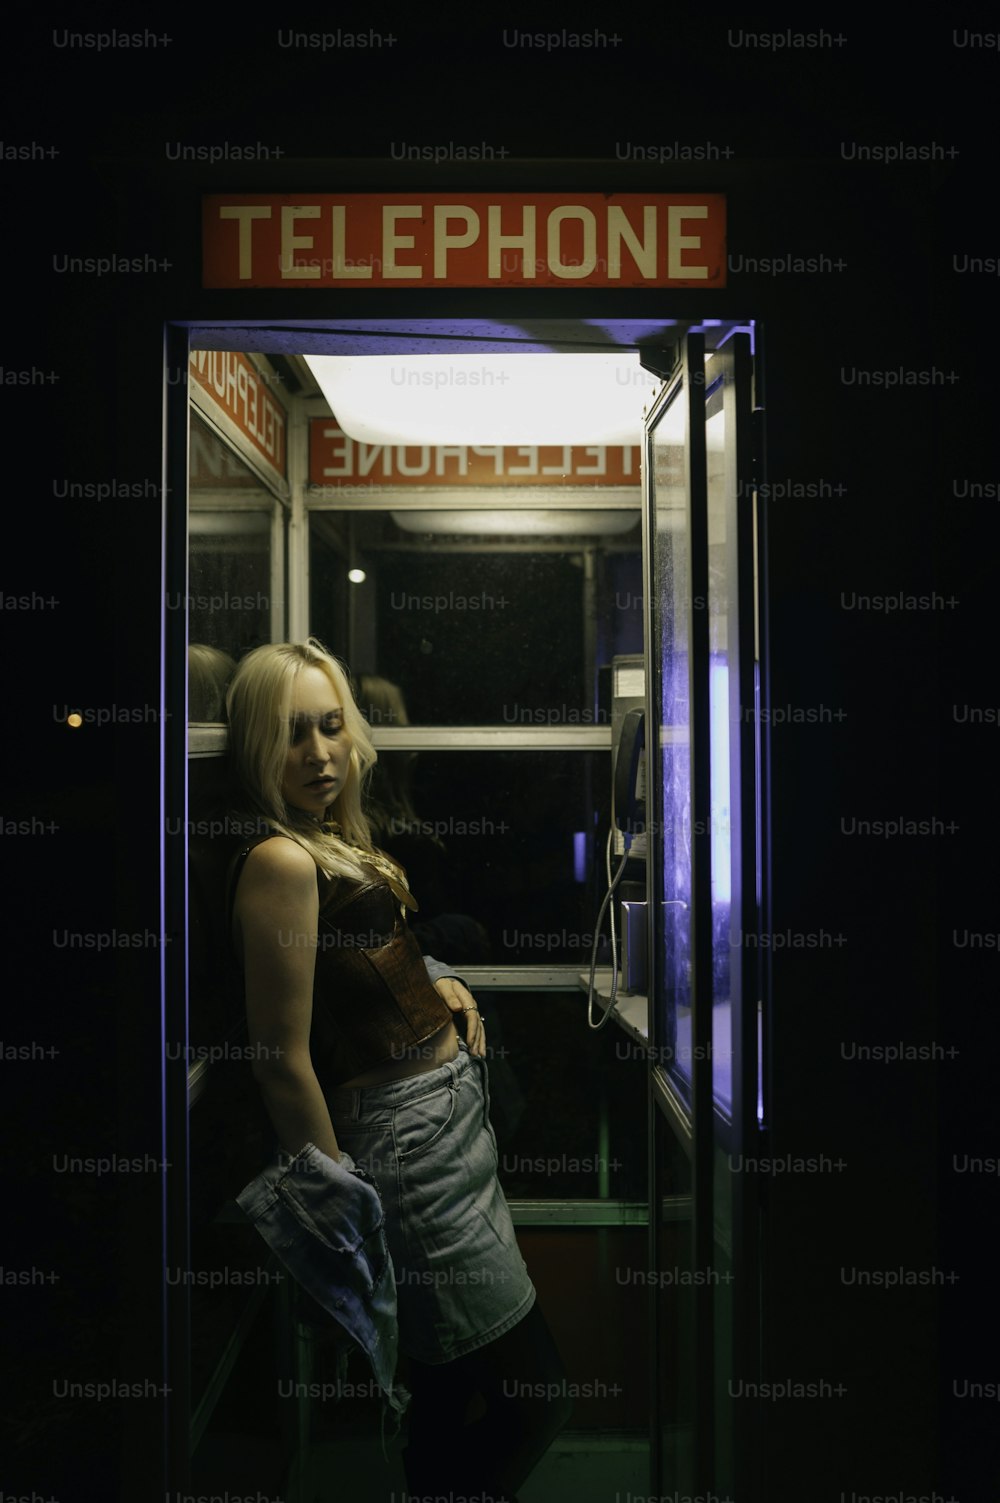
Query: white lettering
x=525, y=242
x=340, y=266
x=443, y=242
x=342, y=448
x=676, y=242
x=559, y=469
x=241, y=390
x=588, y=261
x=530, y=466
x=392, y=241
x=245, y=214
x=369, y=453
x=422, y=465
x=643, y=252
x=290, y=242
x=600, y=465
x=488, y=451
x=459, y=452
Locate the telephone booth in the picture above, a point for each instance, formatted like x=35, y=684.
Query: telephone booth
x=531, y=446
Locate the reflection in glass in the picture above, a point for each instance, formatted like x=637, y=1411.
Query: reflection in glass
x=209, y=672
x=675, y=1284
x=491, y=850
x=672, y=554
x=502, y=627
x=569, y=1121
x=229, y=569
x=442, y=925
x=671, y=648
x=720, y=627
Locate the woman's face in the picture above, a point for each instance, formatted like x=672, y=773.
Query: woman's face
x=319, y=747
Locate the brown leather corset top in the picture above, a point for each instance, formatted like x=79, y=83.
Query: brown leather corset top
x=372, y=998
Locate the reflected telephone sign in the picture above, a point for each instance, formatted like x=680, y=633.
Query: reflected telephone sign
x=429, y=239
x=336, y=459
x=229, y=388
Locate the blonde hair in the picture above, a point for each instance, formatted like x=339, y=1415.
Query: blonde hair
x=383, y=700
x=258, y=705
x=209, y=671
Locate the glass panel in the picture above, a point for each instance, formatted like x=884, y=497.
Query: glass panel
x=502, y=621
x=568, y=1104
x=722, y=629
x=671, y=813
x=230, y=1141
x=722, y=1314
x=724, y=739
x=229, y=579
x=229, y=610
x=674, y=1281
x=504, y=850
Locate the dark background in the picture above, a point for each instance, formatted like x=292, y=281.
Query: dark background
x=112, y=190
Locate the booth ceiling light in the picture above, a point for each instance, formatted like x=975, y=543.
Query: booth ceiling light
x=486, y=399
x=519, y=523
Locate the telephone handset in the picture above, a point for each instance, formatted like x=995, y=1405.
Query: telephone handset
x=629, y=797
x=630, y=775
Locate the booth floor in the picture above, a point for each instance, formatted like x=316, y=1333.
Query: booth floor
x=584, y=1468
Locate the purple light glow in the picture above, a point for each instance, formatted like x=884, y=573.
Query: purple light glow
x=579, y=855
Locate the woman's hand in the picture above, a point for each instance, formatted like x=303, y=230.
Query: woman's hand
x=461, y=1000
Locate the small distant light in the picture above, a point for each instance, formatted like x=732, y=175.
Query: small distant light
x=356, y=576
x=74, y=720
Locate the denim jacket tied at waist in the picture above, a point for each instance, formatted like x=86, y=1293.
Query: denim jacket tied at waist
x=324, y=1221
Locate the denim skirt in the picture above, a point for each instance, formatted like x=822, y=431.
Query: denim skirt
x=427, y=1143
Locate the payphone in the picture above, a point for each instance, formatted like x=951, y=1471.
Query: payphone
x=626, y=890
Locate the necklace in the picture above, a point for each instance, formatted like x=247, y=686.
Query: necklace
x=393, y=873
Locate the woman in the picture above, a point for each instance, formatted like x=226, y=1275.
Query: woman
x=356, y=1051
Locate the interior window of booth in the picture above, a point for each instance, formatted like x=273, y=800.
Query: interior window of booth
x=676, y=1284
x=228, y=599
x=230, y=1139
x=725, y=942
x=504, y=851
x=670, y=794
x=470, y=619
x=570, y=1122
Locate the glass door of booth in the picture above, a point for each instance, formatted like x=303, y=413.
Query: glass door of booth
x=704, y=989
x=691, y=608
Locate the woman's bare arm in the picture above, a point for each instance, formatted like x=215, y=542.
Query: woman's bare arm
x=276, y=916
